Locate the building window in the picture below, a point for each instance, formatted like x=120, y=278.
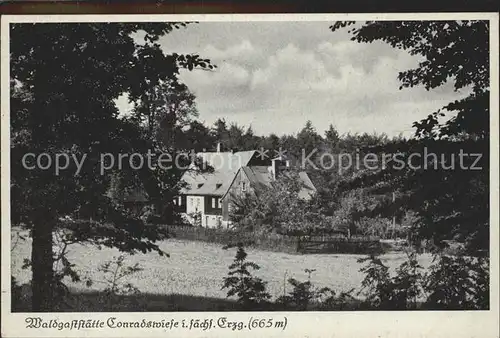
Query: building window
x=219, y=201
x=181, y=203
x=213, y=203
x=243, y=186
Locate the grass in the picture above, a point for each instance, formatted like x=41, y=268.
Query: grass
x=97, y=301
x=268, y=242
x=280, y=243
x=191, y=278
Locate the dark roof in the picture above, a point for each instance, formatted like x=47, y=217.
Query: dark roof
x=225, y=166
x=261, y=176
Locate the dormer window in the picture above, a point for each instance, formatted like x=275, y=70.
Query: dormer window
x=218, y=185
x=200, y=185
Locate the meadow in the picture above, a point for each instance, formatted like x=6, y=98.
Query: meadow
x=195, y=269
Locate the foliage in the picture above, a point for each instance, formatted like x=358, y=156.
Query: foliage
x=65, y=79
x=63, y=268
x=250, y=290
x=301, y=295
x=115, y=270
x=451, y=50
x=277, y=209
x=332, y=137
x=304, y=296
x=441, y=188
x=16, y=294
x=195, y=218
x=16, y=237
x=458, y=283
x=308, y=139
x=452, y=283
x=198, y=137
x=399, y=292
x=376, y=226
x=376, y=282
x=407, y=284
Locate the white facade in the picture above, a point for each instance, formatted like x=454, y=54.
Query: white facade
x=196, y=206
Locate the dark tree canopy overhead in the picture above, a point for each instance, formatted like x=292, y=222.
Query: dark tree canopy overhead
x=65, y=78
x=453, y=204
x=456, y=51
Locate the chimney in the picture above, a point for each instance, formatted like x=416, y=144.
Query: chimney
x=277, y=166
x=218, y=147
x=273, y=169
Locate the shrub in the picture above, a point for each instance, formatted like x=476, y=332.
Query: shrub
x=458, y=283
x=304, y=296
x=407, y=285
x=250, y=290
x=300, y=297
x=452, y=283
x=397, y=293
x=115, y=271
x=376, y=284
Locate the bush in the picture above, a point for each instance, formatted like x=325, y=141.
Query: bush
x=304, y=296
x=453, y=283
x=458, y=283
x=397, y=293
x=250, y=290
x=115, y=271
x=376, y=284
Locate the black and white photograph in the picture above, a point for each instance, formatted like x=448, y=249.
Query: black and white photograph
x=257, y=166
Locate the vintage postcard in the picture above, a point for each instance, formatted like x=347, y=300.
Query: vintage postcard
x=319, y=175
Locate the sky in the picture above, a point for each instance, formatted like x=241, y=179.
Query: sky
x=274, y=76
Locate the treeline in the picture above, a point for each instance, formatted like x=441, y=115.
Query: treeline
x=329, y=159
x=235, y=137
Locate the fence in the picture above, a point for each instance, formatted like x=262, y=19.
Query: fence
x=357, y=245
x=280, y=243
x=271, y=242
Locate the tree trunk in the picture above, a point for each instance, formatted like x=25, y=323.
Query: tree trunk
x=42, y=266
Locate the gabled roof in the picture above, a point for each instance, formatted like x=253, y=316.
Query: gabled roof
x=260, y=176
x=308, y=187
x=225, y=166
